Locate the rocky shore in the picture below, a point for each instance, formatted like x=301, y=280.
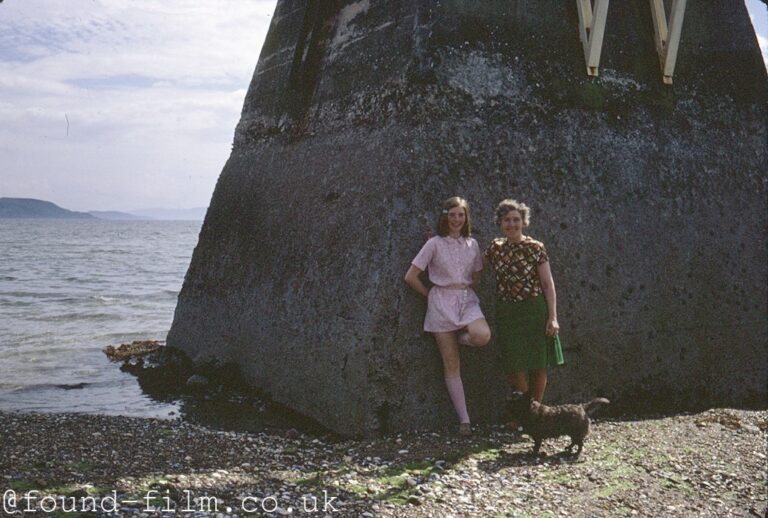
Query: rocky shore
x=707, y=464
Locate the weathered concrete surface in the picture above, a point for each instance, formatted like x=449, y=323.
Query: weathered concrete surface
x=362, y=116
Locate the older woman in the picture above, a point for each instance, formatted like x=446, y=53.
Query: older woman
x=453, y=310
x=526, y=303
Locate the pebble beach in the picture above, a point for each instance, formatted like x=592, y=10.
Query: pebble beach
x=706, y=464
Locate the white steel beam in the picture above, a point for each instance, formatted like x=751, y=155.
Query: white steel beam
x=667, y=37
x=591, y=31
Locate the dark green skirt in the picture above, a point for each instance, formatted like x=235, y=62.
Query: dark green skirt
x=521, y=334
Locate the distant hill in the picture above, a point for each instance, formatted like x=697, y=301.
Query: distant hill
x=196, y=213
x=114, y=215
x=31, y=208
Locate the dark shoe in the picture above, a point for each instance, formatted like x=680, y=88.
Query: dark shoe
x=465, y=429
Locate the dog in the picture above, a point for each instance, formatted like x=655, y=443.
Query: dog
x=542, y=421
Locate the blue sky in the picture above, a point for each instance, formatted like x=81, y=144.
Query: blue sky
x=123, y=104
x=129, y=104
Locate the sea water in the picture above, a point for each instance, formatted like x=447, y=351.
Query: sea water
x=68, y=288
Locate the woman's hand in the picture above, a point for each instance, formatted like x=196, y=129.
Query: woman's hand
x=548, y=287
x=552, y=327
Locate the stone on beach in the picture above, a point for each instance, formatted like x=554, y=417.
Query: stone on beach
x=135, y=349
x=632, y=464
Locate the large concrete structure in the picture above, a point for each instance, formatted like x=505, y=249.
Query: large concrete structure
x=362, y=116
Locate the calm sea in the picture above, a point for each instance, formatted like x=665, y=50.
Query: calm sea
x=68, y=289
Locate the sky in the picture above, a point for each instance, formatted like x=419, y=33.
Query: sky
x=123, y=104
x=131, y=104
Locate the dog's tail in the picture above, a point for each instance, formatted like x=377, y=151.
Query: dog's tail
x=595, y=404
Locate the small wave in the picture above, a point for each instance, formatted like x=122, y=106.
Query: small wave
x=161, y=295
x=89, y=317
x=8, y=278
x=15, y=303
x=104, y=298
x=32, y=294
x=67, y=300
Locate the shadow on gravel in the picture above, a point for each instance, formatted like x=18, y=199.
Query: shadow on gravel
x=215, y=396
x=218, y=397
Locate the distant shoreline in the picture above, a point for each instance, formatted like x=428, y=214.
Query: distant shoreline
x=30, y=208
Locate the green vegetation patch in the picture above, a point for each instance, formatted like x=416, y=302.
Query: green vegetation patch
x=612, y=489
x=395, y=478
x=678, y=485
x=22, y=485
x=311, y=480
x=489, y=454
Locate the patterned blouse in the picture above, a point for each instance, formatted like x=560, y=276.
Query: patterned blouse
x=515, y=266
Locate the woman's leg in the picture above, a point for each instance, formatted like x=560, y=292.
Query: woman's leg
x=476, y=334
x=449, y=351
x=518, y=381
x=538, y=379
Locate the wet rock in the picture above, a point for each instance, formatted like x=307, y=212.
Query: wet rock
x=135, y=349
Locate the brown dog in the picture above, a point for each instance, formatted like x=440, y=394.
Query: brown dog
x=542, y=421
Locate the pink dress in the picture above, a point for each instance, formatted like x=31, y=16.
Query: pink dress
x=450, y=261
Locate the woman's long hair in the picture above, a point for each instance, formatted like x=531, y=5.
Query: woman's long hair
x=442, y=220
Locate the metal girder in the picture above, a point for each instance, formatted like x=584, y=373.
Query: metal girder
x=591, y=30
x=667, y=36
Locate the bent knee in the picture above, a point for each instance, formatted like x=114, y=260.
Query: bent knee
x=481, y=339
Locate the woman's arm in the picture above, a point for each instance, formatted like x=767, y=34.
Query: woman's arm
x=476, y=279
x=412, y=280
x=477, y=266
x=548, y=286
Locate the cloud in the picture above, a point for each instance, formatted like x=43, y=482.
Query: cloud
x=119, y=104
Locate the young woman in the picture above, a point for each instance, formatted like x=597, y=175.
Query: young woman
x=526, y=303
x=453, y=310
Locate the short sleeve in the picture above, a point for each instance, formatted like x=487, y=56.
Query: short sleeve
x=543, y=257
x=492, y=252
x=424, y=257
x=488, y=252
